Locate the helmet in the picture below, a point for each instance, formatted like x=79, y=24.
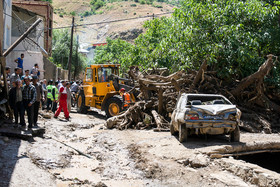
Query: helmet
x=122, y=89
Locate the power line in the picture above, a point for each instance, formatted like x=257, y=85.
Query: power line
x=119, y=20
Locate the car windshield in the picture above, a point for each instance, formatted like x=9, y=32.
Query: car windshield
x=206, y=100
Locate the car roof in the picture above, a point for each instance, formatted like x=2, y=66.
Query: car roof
x=185, y=94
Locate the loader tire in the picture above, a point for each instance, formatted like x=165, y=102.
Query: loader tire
x=114, y=106
x=81, y=108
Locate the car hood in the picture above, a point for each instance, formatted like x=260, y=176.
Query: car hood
x=214, y=109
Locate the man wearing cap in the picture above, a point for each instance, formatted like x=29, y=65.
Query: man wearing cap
x=39, y=97
x=62, y=97
x=29, y=97
x=126, y=98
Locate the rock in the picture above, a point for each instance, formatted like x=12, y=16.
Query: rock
x=6, y=139
x=185, y=162
x=199, y=161
x=100, y=184
x=216, y=156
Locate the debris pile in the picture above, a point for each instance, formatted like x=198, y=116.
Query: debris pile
x=158, y=96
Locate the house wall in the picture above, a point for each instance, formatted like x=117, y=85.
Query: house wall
x=32, y=53
x=44, y=9
x=7, y=23
x=30, y=58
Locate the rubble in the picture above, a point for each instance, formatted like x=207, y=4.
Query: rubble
x=158, y=96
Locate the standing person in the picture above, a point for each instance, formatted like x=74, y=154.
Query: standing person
x=19, y=62
x=75, y=87
x=15, y=100
x=15, y=76
x=44, y=87
x=68, y=90
x=59, y=83
x=50, y=97
x=62, y=97
x=126, y=98
x=8, y=71
x=39, y=97
x=36, y=71
x=25, y=75
x=55, y=97
x=29, y=98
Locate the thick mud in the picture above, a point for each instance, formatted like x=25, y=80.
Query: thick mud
x=83, y=152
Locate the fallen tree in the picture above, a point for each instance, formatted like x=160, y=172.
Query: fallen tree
x=159, y=95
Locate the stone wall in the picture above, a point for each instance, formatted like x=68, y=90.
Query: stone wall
x=50, y=69
x=53, y=72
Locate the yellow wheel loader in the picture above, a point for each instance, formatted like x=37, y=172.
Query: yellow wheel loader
x=100, y=89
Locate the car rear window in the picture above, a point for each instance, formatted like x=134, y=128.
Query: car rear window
x=206, y=100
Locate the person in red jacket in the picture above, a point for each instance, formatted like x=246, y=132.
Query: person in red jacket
x=62, y=98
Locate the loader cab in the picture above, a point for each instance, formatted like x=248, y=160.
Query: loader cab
x=97, y=80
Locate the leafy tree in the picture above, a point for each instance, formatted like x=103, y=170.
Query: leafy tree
x=116, y=52
x=61, y=50
x=233, y=35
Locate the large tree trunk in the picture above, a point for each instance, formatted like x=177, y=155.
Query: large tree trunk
x=257, y=76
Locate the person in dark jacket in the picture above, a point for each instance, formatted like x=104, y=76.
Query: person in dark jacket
x=39, y=96
x=16, y=102
x=29, y=97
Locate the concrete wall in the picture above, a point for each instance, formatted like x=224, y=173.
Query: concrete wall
x=50, y=69
x=53, y=72
x=30, y=58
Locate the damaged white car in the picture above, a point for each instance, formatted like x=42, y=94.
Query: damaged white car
x=205, y=114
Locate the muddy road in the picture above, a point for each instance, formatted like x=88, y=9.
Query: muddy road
x=83, y=152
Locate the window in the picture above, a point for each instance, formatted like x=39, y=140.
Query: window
x=104, y=73
x=89, y=75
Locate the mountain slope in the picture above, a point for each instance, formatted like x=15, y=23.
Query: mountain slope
x=97, y=33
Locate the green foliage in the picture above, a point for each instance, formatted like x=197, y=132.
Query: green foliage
x=133, y=5
x=142, y=2
x=48, y=1
x=73, y=13
x=233, y=35
x=96, y=4
x=61, y=50
x=116, y=52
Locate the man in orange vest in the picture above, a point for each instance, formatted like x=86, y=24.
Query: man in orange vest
x=126, y=98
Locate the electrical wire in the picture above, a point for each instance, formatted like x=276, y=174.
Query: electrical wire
x=113, y=21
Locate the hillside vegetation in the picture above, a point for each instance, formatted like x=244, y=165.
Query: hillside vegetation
x=85, y=13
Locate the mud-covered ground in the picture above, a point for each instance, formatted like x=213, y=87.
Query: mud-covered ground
x=83, y=152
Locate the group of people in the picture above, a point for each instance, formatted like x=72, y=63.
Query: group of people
x=27, y=94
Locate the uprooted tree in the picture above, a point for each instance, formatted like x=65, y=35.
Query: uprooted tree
x=158, y=96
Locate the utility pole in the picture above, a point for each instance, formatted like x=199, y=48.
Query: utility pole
x=71, y=50
x=77, y=58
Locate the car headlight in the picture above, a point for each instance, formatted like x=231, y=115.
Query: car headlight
x=191, y=117
x=232, y=117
